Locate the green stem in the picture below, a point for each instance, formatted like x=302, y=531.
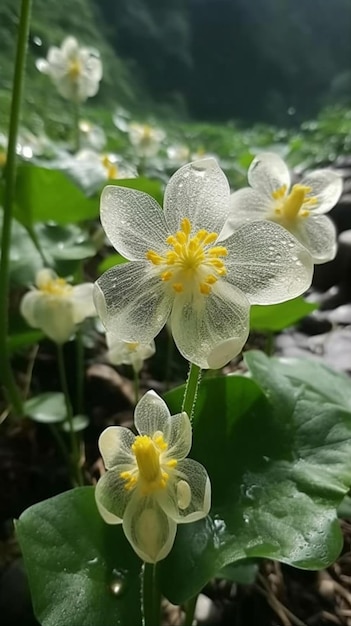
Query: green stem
x=9, y=191
x=80, y=371
x=151, y=596
x=60, y=443
x=136, y=385
x=74, y=442
x=189, y=608
x=76, y=130
x=191, y=389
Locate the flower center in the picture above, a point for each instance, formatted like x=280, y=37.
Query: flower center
x=149, y=472
x=54, y=286
x=110, y=167
x=190, y=262
x=74, y=69
x=295, y=204
x=132, y=345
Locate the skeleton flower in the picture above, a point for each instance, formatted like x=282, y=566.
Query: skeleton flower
x=149, y=485
x=56, y=307
x=180, y=267
x=145, y=138
x=129, y=352
x=76, y=72
x=299, y=209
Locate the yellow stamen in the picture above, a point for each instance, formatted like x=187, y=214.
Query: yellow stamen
x=196, y=265
x=110, y=167
x=290, y=207
x=54, y=286
x=149, y=472
x=132, y=345
x=74, y=69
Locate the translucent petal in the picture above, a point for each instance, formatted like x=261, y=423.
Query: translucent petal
x=28, y=307
x=152, y=415
x=318, y=235
x=267, y=263
x=190, y=501
x=115, y=444
x=201, y=324
x=133, y=222
x=267, y=173
x=111, y=494
x=199, y=191
x=82, y=298
x=326, y=187
x=122, y=352
x=108, y=517
x=246, y=205
x=132, y=302
x=149, y=530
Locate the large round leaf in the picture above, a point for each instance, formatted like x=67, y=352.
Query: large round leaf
x=279, y=459
x=80, y=570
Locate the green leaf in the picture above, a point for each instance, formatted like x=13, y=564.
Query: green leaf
x=243, y=572
x=46, y=408
x=91, y=574
x=44, y=195
x=80, y=422
x=276, y=317
x=64, y=243
x=344, y=509
x=111, y=261
x=153, y=187
x=279, y=461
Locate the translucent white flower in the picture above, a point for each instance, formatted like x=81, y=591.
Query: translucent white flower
x=75, y=71
x=145, y=138
x=129, y=352
x=149, y=485
x=180, y=267
x=56, y=307
x=299, y=209
x=178, y=154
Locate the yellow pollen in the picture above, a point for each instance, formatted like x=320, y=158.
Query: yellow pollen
x=110, y=167
x=132, y=345
x=295, y=204
x=55, y=287
x=149, y=473
x=74, y=69
x=190, y=262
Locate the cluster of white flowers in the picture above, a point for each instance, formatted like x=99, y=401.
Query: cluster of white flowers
x=75, y=71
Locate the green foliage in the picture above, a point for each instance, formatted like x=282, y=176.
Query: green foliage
x=47, y=408
x=276, y=317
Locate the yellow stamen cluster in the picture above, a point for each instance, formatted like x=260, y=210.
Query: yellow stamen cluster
x=295, y=204
x=149, y=473
x=74, y=69
x=54, y=286
x=190, y=262
x=110, y=167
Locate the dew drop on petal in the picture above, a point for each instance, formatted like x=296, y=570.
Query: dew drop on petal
x=183, y=494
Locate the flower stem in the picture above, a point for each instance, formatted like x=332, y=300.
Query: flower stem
x=151, y=596
x=79, y=371
x=189, y=608
x=191, y=389
x=76, y=131
x=136, y=385
x=10, y=179
x=77, y=470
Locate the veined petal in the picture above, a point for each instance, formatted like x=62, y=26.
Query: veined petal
x=149, y=530
x=108, y=517
x=152, y=415
x=246, y=205
x=115, y=444
x=132, y=302
x=268, y=263
x=83, y=303
x=326, y=186
x=188, y=498
x=201, y=324
x=133, y=221
x=267, y=173
x=111, y=494
x=318, y=235
x=199, y=191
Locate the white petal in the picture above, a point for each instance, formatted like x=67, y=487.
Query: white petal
x=111, y=494
x=83, y=303
x=318, y=235
x=267, y=263
x=200, y=325
x=132, y=302
x=149, y=530
x=200, y=192
x=326, y=187
x=70, y=47
x=247, y=205
x=267, y=173
x=52, y=314
x=44, y=277
x=188, y=498
x=133, y=222
x=115, y=444
x=108, y=517
x=130, y=354
x=152, y=415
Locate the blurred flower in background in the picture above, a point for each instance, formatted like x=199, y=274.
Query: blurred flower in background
x=146, y=139
x=129, y=352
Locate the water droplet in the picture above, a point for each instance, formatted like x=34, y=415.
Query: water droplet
x=266, y=459
x=291, y=244
x=118, y=582
x=270, y=247
x=37, y=41
x=93, y=561
x=298, y=263
x=246, y=518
